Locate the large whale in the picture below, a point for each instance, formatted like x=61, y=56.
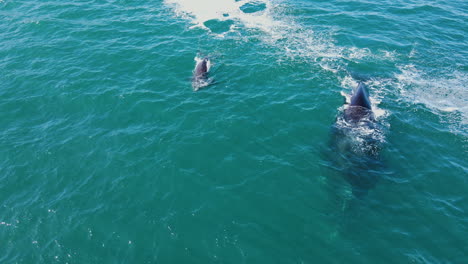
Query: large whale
x=356, y=142
x=200, y=74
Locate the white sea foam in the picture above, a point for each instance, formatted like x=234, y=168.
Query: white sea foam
x=279, y=30
x=445, y=95
x=440, y=93
x=201, y=11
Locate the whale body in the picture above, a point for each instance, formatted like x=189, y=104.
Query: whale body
x=200, y=74
x=356, y=142
x=201, y=69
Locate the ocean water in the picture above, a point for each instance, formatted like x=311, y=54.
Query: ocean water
x=107, y=155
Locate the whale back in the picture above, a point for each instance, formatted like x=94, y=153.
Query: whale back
x=201, y=69
x=360, y=107
x=200, y=74
x=361, y=97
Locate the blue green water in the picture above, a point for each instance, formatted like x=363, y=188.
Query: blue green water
x=107, y=155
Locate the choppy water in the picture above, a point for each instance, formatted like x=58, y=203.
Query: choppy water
x=108, y=155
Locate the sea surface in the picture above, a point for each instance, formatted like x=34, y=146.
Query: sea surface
x=108, y=155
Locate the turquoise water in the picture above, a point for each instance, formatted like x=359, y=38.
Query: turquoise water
x=108, y=156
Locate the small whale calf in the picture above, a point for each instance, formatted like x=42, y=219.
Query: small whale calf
x=200, y=73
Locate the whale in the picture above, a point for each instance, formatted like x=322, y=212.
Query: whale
x=356, y=142
x=200, y=73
